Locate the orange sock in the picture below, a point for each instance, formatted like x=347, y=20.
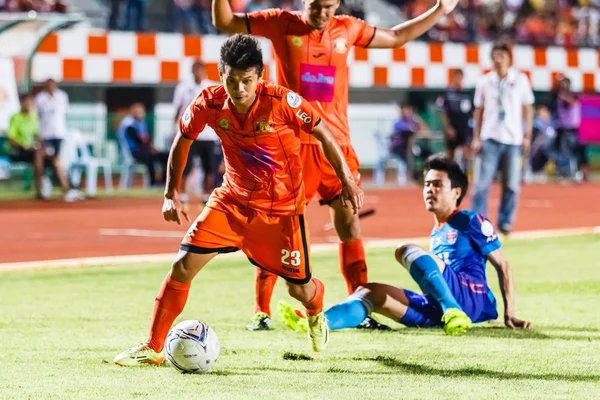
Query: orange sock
x=265, y=282
x=315, y=306
x=169, y=303
x=353, y=264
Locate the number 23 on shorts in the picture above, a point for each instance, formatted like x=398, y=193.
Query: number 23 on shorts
x=290, y=258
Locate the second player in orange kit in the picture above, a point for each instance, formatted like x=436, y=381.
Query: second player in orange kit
x=311, y=49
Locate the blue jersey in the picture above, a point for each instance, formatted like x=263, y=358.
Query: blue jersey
x=464, y=242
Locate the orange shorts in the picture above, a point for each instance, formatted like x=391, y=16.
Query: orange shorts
x=276, y=244
x=319, y=176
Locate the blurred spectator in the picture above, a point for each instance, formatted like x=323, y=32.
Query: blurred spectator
x=503, y=121
x=401, y=142
x=134, y=130
x=257, y=5
x=567, y=110
x=52, y=104
x=205, y=145
x=113, y=19
x=202, y=15
x=134, y=15
x=288, y=5
x=542, y=143
x=457, y=106
x=23, y=140
x=182, y=18
x=43, y=6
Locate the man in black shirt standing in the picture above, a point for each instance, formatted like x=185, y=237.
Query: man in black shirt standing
x=457, y=112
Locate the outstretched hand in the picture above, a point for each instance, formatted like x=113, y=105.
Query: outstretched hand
x=353, y=194
x=173, y=209
x=515, y=323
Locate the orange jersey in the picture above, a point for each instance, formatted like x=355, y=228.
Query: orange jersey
x=263, y=169
x=313, y=63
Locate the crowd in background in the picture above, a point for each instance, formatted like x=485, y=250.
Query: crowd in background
x=536, y=22
x=554, y=141
x=42, y=6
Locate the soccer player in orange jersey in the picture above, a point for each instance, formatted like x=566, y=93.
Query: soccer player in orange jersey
x=259, y=209
x=311, y=50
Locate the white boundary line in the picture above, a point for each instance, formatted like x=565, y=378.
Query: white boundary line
x=315, y=248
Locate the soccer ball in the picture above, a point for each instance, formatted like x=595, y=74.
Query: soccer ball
x=192, y=347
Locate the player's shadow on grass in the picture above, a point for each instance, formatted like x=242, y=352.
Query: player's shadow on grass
x=470, y=372
x=500, y=332
x=536, y=333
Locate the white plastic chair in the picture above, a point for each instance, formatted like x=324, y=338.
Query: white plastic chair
x=82, y=158
x=129, y=166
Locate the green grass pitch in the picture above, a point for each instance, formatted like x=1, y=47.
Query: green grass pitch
x=60, y=329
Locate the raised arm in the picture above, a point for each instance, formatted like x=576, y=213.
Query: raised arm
x=225, y=20
x=502, y=266
x=401, y=34
x=333, y=153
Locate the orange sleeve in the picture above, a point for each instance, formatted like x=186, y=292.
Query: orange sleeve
x=361, y=32
x=194, y=119
x=266, y=23
x=299, y=112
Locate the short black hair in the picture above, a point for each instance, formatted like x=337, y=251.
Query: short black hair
x=458, y=179
x=458, y=71
x=241, y=52
x=502, y=46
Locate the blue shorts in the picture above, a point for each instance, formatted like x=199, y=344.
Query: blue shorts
x=475, y=298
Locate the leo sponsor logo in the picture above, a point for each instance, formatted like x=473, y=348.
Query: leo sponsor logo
x=304, y=116
x=224, y=123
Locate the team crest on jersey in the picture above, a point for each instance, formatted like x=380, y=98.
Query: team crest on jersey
x=224, y=123
x=297, y=41
x=264, y=126
x=451, y=236
x=339, y=45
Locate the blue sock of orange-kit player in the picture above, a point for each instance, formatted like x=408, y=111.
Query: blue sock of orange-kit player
x=353, y=264
x=348, y=314
x=169, y=303
x=425, y=271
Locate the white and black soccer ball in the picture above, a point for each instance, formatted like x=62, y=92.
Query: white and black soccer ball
x=192, y=347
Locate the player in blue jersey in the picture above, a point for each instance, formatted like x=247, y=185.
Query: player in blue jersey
x=452, y=275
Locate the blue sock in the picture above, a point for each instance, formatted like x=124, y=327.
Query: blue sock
x=427, y=274
x=348, y=314
x=412, y=318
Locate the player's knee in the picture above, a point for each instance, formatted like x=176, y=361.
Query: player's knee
x=403, y=251
x=373, y=293
x=183, y=270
